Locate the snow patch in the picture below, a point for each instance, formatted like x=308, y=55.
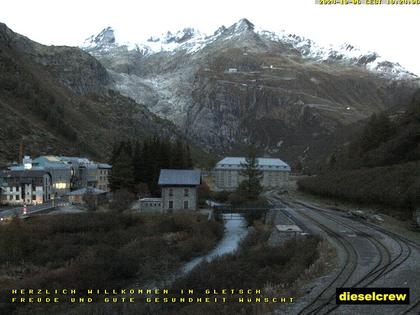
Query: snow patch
x=341, y=52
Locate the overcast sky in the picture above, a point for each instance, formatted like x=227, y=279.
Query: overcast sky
x=392, y=31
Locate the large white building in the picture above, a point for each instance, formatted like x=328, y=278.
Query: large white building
x=227, y=177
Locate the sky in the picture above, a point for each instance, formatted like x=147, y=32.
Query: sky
x=390, y=30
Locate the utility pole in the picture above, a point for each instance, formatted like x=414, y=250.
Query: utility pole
x=20, y=152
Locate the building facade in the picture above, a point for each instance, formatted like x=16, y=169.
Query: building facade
x=60, y=171
x=104, y=171
x=150, y=205
x=179, y=189
x=77, y=196
x=227, y=173
x=86, y=173
x=66, y=174
x=26, y=186
x=70, y=173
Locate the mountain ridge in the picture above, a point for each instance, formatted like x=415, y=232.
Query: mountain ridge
x=192, y=40
x=242, y=85
x=56, y=100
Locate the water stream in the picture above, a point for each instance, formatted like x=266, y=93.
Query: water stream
x=235, y=230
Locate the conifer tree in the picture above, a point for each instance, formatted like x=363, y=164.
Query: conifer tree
x=250, y=187
x=178, y=158
x=122, y=175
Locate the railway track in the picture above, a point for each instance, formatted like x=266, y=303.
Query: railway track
x=323, y=302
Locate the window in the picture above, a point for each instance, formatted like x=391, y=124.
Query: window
x=171, y=204
x=17, y=197
x=171, y=192
x=186, y=204
x=186, y=192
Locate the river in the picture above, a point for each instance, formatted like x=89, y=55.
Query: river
x=235, y=230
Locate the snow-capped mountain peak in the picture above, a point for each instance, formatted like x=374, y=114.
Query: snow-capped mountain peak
x=105, y=38
x=345, y=53
x=243, y=25
x=169, y=41
x=181, y=36
x=190, y=41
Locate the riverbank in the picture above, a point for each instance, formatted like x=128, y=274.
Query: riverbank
x=98, y=250
x=234, y=232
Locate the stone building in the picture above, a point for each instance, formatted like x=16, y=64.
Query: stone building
x=26, y=186
x=86, y=173
x=66, y=174
x=104, y=171
x=179, y=189
x=150, y=205
x=78, y=196
x=60, y=173
x=227, y=177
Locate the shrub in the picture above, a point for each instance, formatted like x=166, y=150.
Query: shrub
x=102, y=249
x=392, y=186
x=221, y=196
x=121, y=200
x=254, y=265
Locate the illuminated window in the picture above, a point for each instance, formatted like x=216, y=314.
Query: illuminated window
x=60, y=185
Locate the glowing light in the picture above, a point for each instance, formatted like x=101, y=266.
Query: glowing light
x=60, y=185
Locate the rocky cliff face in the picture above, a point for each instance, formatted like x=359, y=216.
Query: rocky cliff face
x=70, y=67
x=244, y=85
x=56, y=100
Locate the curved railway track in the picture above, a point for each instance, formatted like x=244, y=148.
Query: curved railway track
x=323, y=302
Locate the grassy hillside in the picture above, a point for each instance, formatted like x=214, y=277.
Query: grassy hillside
x=381, y=165
x=394, y=186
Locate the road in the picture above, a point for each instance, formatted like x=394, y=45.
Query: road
x=17, y=211
x=369, y=256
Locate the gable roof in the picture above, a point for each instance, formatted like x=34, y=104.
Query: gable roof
x=22, y=173
x=263, y=163
x=180, y=177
